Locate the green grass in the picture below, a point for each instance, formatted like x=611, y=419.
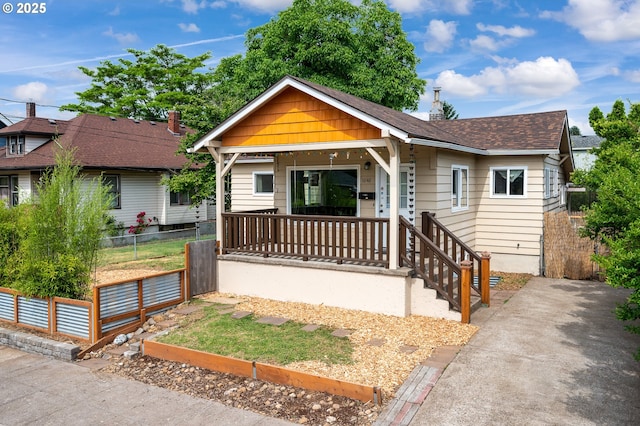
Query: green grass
x=246, y=339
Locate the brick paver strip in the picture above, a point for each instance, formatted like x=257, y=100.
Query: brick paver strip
x=272, y=320
x=187, y=310
x=240, y=314
x=341, y=332
x=376, y=342
x=310, y=327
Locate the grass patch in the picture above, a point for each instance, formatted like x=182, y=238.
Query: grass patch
x=246, y=339
x=511, y=281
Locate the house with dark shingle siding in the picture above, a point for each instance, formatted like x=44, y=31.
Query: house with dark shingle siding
x=489, y=180
x=582, y=146
x=131, y=155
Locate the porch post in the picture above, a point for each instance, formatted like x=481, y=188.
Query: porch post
x=219, y=199
x=394, y=201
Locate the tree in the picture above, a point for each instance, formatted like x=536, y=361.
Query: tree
x=449, y=111
x=148, y=87
x=614, y=217
x=361, y=50
x=574, y=131
x=63, y=226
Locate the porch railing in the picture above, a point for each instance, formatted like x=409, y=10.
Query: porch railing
x=340, y=239
x=458, y=251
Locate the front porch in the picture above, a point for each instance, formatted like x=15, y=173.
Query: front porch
x=344, y=262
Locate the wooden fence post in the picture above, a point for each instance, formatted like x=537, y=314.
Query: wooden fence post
x=485, y=288
x=465, y=291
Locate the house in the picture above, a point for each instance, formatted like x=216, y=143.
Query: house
x=131, y=155
x=364, y=194
x=582, y=146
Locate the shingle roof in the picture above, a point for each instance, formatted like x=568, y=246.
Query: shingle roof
x=585, y=142
x=536, y=131
x=102, y=143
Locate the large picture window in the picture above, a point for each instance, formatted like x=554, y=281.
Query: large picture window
x=459, y=188
x=509, y=182
x=331, y=192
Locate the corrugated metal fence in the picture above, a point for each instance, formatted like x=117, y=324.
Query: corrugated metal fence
x=115, y=306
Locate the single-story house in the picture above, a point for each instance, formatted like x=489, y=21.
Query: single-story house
x=582, y=146
x=357, y=183
x=131, y=155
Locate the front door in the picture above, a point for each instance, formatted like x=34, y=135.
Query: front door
x=407, y=192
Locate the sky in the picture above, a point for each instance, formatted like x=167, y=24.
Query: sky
x=489, y=57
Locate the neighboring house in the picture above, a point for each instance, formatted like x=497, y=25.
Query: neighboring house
x=488, y=180
x=130, y=155
x=582, y=146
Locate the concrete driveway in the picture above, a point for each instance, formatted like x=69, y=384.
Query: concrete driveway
x=553, y=354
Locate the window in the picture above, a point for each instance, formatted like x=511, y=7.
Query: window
x=180, y=198
x=115, y=191
x=9, y=190
x=547, y=183
x=508, y=182
x=331, y=192
x=459, y=188
x=262, y=183
x=555, y=184
x=16, y=144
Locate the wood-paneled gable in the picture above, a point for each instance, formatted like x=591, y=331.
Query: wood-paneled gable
x=293, y=117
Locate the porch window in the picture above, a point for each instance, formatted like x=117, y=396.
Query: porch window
x=324, y=192
x=508, y=182
x=459, y=188
x=9, y=190
x=262, y=183
x=115, y=191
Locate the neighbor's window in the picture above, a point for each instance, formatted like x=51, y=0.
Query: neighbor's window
x=180, y=198
x=555, y=183
x=459, y=188
x=547, y=183
x=262, y=183
x=331, y=192
x=115, y=190
x=16, y=144
x=508, y=181
x=9, y=190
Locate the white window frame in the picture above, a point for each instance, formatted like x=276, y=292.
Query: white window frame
x=457, y=188
x=117, y=191
x=508, y=169
x=255, y=184
x=547, y=183
x=555, y=183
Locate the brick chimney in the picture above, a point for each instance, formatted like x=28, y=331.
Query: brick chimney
x=31, y=109
x=174, y=122
x=437, y=112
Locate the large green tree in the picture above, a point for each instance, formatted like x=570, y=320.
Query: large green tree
x=361, y=50
x=614, y=217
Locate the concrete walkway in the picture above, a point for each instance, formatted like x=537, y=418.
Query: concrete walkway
x=553, y=354
x=36, y=390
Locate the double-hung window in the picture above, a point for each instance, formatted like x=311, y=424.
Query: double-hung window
x=459, y=188
x=16, y=144
x=9, y=191
x=509, y=182
x=547, y=183
x=115, y=190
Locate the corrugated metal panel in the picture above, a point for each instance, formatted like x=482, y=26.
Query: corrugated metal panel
x=33, y=312
x=6, y=306
x=118, y=299
x=72, y=320
x=161, y=289
x=113, y=325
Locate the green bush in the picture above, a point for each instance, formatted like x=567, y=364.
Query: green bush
x=63, y=276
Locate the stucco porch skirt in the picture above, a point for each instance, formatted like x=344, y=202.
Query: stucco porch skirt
x=365, y=288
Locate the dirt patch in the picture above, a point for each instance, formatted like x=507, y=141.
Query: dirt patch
x=103, y=275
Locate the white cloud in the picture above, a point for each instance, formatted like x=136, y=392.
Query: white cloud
x=33, y=92
x=483, y=42
x=601, y=20
x=517, y=31
x=633, y=76
x=545, y=77
x=459, y=7
x=193, y=6
x=269, y=6
x=189, y=28
x=122, y=38
x=115, y=12
x=440, y=35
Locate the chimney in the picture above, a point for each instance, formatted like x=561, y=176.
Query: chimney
x=436, y=113
x=174, y=122
x=31, y=109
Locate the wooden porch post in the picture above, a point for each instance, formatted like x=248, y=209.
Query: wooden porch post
x=394, y=200
x=219, y=199
x=465, y=291
x=485, y=288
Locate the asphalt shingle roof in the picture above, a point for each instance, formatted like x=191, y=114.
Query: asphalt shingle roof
x=586, y=142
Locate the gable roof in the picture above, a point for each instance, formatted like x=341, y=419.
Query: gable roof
x=532, y=133
x=101, y=143
x=583, y=143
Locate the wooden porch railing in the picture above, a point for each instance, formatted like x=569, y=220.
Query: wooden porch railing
x=340, y=239
x=459, y=251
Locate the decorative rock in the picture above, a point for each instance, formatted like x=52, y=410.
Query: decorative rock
x=131, y=354
x=120, y=339
x=139, y=331
x=331, y=419
x=316, y=407
x=130, y=336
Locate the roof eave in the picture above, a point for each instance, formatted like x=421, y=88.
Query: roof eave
x=445, y=145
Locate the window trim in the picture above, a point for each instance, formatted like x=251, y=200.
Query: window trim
x=546, y=182
x=254, y=182
x=508, y=169
x=181, y=195
x=117, y=191
x=13, y=190
x=458, y=196
x=313, y=167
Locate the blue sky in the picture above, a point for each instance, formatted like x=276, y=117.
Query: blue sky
x=490, y=57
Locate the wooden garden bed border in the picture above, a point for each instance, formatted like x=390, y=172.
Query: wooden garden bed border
x=260, y=371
